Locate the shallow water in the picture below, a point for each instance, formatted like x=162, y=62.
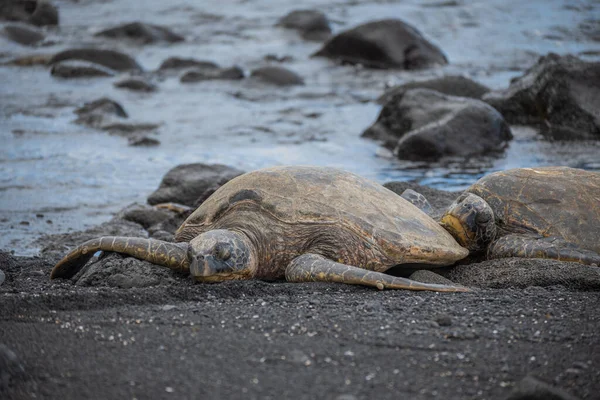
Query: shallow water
x=74, y=177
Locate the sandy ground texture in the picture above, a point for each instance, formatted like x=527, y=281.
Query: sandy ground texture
x=124, y=328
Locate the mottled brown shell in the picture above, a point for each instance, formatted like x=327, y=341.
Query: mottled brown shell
x=302, y=196
x=552, y=201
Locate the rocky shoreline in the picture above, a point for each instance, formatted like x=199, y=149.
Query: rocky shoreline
x=389, y=91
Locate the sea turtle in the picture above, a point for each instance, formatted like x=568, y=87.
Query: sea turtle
x=299, y=222
x=544, y=212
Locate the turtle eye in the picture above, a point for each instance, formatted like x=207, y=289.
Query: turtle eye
x=223, y=253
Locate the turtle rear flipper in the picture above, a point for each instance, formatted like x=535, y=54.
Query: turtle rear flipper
x=536, y=246
x=171, y=255
x=316, y=268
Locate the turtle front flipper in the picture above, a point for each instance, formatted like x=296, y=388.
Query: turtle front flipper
x=535, y=246
x=171, y=255
x=418, y=200
x=316, y=268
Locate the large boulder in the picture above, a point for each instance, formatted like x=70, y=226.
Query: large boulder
x=311, y=24
x=187, y=183
x=36, y=12
x=560, y=94
x=454, y=85
x=388, y=43
x=423, y=124
x=142, y=33
x=109, y=58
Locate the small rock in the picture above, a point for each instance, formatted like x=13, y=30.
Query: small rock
x=311, y=24
x=531, y=388
x=185, y=183
x=453, y=85
x=279, y=59
x=23, y=34
x=388, y=43
x=11, y=367
x=109, y=58
x=143, y=141
x=79, y=69
x=443, y=320
x=98, y=112
x=2, y=277
x=180, y=63
x=141, y=32
x=278, y=76
x=199, y=74
x=135, y=84
x=144, y=215
x=427, y=276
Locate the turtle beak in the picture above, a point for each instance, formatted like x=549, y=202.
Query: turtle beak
x=456, y=229
x=200, y=267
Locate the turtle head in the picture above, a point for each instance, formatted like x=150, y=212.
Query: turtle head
x=470, y=220
x=221, y=255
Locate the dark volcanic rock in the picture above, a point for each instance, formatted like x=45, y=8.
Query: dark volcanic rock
x=30, y=60
x=23, y=34
x=141, y=32
x=144, y=215
x=204, y=74
x=531, y=388
x=54, y=247
x=143, y=141
x=427, y=276
x=79, y=69
x=311, y=24
x=278, y=76
x=454, y=85
x=36, y=12
x=135, y=84
x=180, y=63
x=423, y=124
x=98, y=113
x=11, y=367
x=389, y=43
x=185, y=183
x=116, y=270
x=526, y=272
x=109, y=58
x=2, y=277
x=560, y=94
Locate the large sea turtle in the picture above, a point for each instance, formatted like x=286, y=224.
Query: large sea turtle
x=544, y=212
x=301, y=223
